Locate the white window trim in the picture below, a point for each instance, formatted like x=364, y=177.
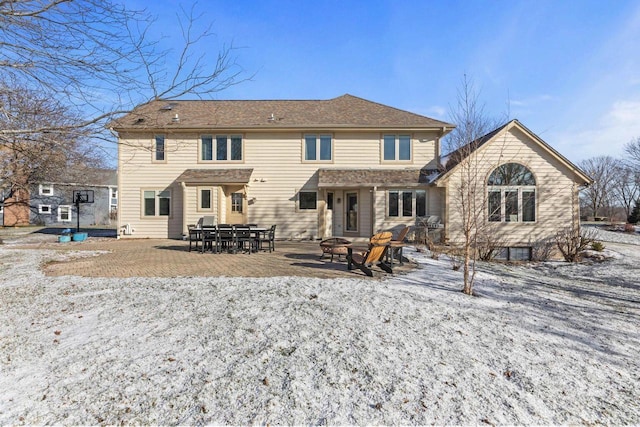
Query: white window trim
x=41, y=211
x=519, y=189
x=43, y=187
x=397, y=148
x=318, y=137
x=65, y=207
x=112, y=191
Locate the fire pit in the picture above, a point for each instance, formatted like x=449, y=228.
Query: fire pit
x=334, y=246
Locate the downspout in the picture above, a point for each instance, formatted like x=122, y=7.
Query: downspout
x=373, y=210
x=185, y=231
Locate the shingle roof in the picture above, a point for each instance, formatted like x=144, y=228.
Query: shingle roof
x=345, y=111
x=373, y=177
x=216, y=176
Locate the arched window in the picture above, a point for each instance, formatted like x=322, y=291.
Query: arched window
x=511, y=194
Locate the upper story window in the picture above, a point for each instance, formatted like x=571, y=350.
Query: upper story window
x=46, y=189
x=511, y=194
x=396, y=148
x=317, y=148
x=159, y=149
x=222, y=148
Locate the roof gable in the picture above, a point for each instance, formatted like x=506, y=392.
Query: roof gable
x=346, y=111
x=456, y=157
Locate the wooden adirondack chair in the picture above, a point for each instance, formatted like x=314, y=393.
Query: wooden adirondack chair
x=378, y=245
x=395, y=246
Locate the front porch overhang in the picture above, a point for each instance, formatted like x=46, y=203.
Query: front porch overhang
x=232, y=176
x=367, y=178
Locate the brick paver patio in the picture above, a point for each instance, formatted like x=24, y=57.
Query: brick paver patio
x=170, y=258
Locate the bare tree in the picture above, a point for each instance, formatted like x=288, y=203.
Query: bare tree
x=626, y=187
x=35, y=157
x=600, y=195
x=632, y=150
x=96, y=57
x=467, y=194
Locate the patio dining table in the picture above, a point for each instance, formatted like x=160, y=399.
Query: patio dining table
x=230, y=237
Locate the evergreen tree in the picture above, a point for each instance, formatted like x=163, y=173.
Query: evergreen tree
x=634, y=218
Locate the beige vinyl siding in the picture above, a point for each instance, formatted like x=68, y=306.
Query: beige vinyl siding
x=556, y=190
x=191, y=201
x=278, y=174
x=434, y=198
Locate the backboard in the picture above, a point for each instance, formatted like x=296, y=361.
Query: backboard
x=82, y=196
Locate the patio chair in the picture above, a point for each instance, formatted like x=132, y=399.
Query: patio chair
x=209, y=239
x=269, y=237
x=225, y=238
x=396, y=245
x=378, y=245
x=244, y=238
x=208, y=220
x=194, y=236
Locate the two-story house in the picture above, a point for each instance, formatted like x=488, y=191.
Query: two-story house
x=316, y=168
x=53, y=204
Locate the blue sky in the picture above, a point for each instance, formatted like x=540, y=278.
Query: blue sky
x=568, y=70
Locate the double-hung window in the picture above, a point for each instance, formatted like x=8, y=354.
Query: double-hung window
x=206, y=148
x=318, y=148
x=511, y=194
x=156, y=203
x=64, y=213
x=401, y=203
x=396, y=148
x=45, y=189
x=221, y=148
x=205, y=199
x=308, y=200
x=159, y=149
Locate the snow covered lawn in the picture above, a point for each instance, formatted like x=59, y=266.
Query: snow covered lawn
x=545, y=344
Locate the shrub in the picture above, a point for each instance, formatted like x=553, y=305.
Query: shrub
x=597, y=246
x=542, y=250
x=571, y=242
x=629, y=228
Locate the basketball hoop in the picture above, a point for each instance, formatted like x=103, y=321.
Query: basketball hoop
x=81, y=197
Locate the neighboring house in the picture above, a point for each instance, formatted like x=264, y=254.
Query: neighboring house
x=52, y=204
x=14, y=210
x=340, y=167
